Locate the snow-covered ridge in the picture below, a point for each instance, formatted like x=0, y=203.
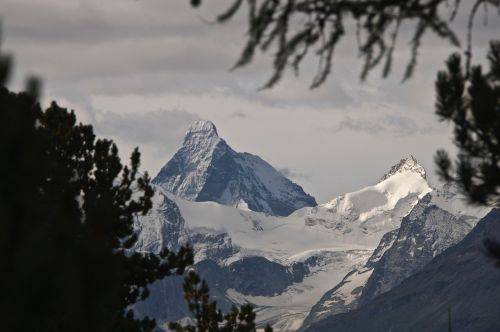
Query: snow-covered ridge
x=354, y=220
x=206, y=128
x=406, y=164
x=190, y=165
x=366, y=215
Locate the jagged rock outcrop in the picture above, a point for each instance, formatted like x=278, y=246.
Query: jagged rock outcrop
x=406, y=164
x=345, y=296
x=426, y=232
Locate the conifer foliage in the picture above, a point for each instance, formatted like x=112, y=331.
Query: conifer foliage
x=67, y=208
x=472, y=104
x=207, y=316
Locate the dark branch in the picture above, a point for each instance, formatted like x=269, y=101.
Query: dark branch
x=319, y=25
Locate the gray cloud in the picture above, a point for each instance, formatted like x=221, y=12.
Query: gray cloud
x=158, y=133
x=143, y=47
x=156, y=127
x=393, y=124
x=118, y=62
x=240, y=115
x=363, y=125
x=289, y=173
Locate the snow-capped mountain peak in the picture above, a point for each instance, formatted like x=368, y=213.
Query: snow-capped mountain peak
x=406, y=164
x=206, y=168
x=201, y=129
x=200, y=142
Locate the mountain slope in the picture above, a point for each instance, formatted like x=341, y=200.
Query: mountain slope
x=438, y=221
x=205, y=168
x=366, y=215
x=426, y=232
x=406, y=164
x=345, y=296
x=462, y=278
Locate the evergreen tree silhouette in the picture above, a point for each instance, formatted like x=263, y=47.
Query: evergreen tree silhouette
x=472, y=103
x=67, y=208
x=207, y=316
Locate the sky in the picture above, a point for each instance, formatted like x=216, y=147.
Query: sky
x=141, y=70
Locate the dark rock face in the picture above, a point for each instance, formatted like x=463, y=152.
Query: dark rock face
x=205, y=168
x=261, y=277
x=385, y=244
x=166, y=300
x=426, y=232
x=213, y=246
x=462, y=279
x=345, y=296
x=250, y=275
x=162, y=228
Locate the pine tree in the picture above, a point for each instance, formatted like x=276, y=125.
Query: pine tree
x=472, y=103
x=67, y=208
x=207, y=316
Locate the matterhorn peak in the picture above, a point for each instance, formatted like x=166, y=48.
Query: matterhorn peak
x=406, y=164
x=202, y=127
x=201, y=131
x=205, y=168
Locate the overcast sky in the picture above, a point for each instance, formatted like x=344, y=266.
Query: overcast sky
x=141, y=70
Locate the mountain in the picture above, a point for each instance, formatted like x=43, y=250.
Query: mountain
x=302, y=255
x=425, y=232
x=406, y=164
x=439, y=220
x=345, y=296
x=366, y=215
x=462, y=279
x=205, y=168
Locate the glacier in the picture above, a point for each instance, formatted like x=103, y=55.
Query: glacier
x=309, y=251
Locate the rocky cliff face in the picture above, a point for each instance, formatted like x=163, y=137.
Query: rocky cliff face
x=406, y=164
x=163, y=227
x=425, y=233
x=345, y=296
